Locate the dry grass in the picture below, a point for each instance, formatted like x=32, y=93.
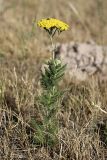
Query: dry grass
x=83, y=126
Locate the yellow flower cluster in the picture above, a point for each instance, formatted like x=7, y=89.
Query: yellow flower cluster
x=51, y=23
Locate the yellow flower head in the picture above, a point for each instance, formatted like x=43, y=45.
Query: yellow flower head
x=52, y=25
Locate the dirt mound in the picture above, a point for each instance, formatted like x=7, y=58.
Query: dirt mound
x=83, y=59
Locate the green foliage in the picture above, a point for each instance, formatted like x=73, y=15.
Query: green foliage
x=53, y=74
x=46, y=132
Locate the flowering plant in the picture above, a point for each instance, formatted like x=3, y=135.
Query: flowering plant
x=52, y=25
x=50, y=99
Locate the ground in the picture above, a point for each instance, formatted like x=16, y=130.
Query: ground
x=23, y=49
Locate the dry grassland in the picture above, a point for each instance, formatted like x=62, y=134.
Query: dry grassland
x=83, y=116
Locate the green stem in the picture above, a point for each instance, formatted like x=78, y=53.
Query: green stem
x=53, y=49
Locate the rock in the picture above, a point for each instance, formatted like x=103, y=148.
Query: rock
x=83, y=59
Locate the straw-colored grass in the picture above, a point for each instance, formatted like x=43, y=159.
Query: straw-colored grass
x=83, y=118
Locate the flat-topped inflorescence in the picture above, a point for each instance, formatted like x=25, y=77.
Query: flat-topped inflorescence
x=52, y=25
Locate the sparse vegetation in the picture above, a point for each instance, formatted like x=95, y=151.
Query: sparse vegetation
x=82, y=118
